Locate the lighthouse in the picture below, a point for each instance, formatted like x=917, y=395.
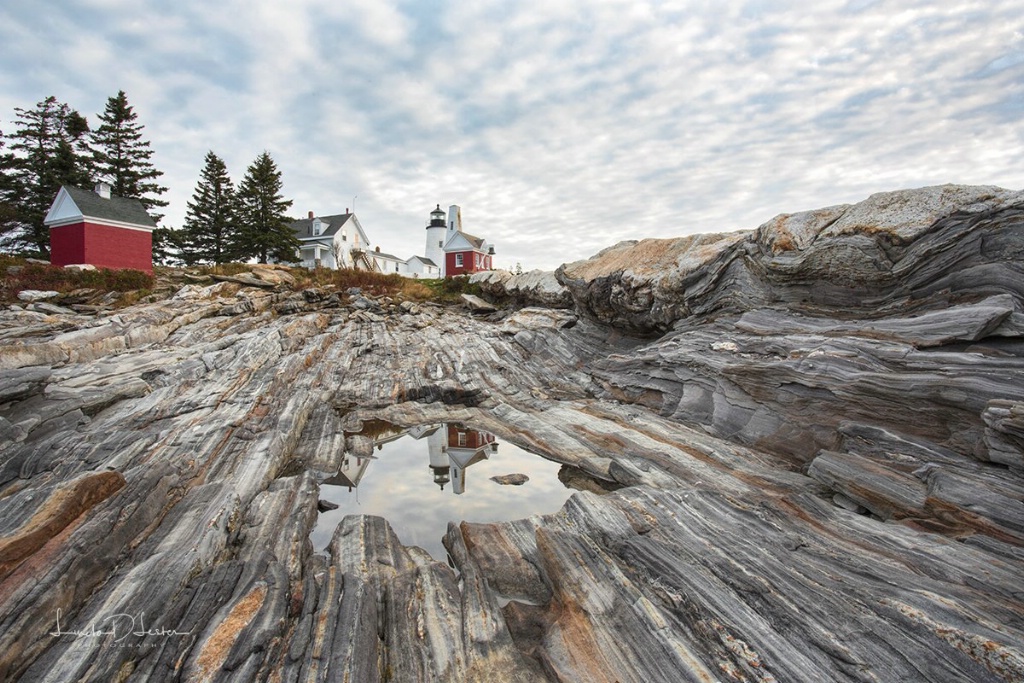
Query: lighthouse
x=437, y=234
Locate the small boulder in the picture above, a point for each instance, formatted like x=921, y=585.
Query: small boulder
x=517, y=479
x=36, y=295
x=50, y=309
x=477, y=305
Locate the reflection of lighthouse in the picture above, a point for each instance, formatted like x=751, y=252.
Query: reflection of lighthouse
x=439, y=463
x=453, y=448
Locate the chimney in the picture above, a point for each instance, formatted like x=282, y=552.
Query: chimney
x=346, y=210
x=377, y=249
x=311, y=214
x=103, y=190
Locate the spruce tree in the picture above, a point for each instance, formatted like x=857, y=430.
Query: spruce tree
x=9, y=194
x=168, y=247
x=122, y=156
x=210, y=221
x=263, y=230
x=50, y=149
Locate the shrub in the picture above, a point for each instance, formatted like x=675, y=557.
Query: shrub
x=447, y=290
x=19, y=275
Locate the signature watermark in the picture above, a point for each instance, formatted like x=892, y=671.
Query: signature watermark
x=121, y=626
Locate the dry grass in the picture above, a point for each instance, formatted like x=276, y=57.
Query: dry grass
x=19, y=275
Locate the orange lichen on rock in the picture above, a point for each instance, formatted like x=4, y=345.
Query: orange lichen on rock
x=216, y=648
x=64, y=506
x=655, y=255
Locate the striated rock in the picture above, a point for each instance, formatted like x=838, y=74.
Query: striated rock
x=928, y=246
x=534, y=288
x=31, y=295
x=799, y=455
x=1004, y=432
x=527, y=319
x=652, y=283
x=476, y=304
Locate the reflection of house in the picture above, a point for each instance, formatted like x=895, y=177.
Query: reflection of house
x=334, y=242
x=453, y=449
x=351, y=471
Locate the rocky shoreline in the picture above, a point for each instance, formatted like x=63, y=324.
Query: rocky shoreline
x=811, y=435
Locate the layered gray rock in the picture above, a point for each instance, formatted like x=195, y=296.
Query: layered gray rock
x=896, y=250
x=813, y=472
x=533, y=288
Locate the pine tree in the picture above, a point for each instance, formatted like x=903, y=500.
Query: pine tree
x=168, y=247
x=49, y=149
x=263, y=230
x=122, y=156
x=8, y=191
x=211, y=218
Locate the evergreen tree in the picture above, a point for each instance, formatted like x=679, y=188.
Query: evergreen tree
x=210, y=220
x=8, y=191
x=168, y=247
x=122, y=156
x=49, y=149
x=263, y=230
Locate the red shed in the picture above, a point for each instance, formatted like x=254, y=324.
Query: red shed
x=99, y=229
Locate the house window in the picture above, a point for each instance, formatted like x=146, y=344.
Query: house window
x=396, y=267
x=458, y=260
x=477, y=260
x=317, y=226
x=344, y=236
x=462, y=439
x=440, y=243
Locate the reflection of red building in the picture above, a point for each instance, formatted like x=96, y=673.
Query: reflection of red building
x=462, y=437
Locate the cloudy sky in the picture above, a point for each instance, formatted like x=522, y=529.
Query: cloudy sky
x=559, y=127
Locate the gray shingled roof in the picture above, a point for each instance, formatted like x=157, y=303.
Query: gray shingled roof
x=303, y=228
x=119, y=209
x=424, y=260
x=390, y=256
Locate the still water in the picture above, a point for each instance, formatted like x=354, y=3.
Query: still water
x=422, y=478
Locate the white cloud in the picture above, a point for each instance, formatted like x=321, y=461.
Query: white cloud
x=559, y=128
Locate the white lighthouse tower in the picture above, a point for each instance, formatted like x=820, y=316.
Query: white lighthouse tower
x=437, y=235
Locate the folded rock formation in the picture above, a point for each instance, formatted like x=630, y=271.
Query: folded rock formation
x=805, y=445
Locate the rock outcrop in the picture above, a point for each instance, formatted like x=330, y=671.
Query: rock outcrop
x=896, y=251
x=804, y=448
x=534, y=288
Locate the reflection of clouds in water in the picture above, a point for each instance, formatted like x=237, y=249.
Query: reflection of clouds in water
x=399, y=486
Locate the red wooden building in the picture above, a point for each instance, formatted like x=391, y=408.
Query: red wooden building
x=99, y=229
x=465, y=254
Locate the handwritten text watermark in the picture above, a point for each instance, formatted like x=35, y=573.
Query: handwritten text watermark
x=121, y=626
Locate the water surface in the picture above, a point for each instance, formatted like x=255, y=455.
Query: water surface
x=422, y=478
